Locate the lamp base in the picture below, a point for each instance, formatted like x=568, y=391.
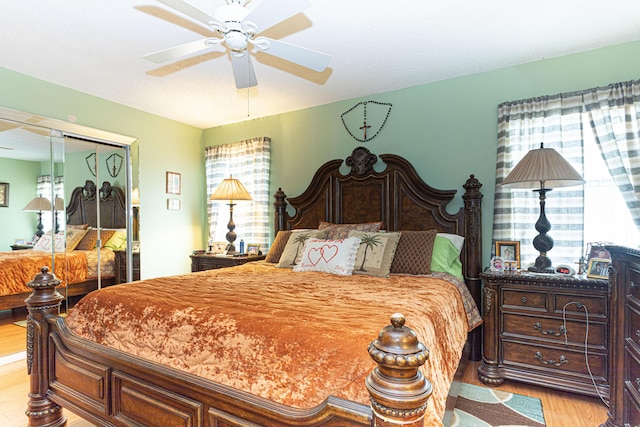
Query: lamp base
x=542, y=265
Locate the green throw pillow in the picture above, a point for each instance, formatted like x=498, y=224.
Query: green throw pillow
x=117, y=242
x=446, y=257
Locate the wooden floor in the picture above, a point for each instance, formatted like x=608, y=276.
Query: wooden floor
x=560, y=409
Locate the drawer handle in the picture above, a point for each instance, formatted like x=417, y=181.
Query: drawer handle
x=563, y=360
x=632, y=285
x=638, y=384
x=538, y=327
x=523, y=300
x=638, y=334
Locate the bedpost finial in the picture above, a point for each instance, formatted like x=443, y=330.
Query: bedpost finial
x=397, y=388
x=44, y=279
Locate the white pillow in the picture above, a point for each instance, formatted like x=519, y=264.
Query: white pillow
x=329, y=256
x=295, y=246
x=457, y=240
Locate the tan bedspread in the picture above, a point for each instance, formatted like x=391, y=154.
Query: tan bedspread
x=17, y=268
x=295, y=338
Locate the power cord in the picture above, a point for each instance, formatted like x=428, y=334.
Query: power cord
x=586, y=342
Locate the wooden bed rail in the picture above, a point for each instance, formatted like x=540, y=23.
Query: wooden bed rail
x=68, y=371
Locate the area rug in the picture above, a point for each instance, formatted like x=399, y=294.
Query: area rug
x=22, y=323
x=491, y=407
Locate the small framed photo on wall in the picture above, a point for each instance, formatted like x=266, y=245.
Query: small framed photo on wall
x=173, y=204
x=509, y=251
x=4, y=194
x=174, y=183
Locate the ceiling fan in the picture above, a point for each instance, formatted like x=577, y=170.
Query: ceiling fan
x=238, y=27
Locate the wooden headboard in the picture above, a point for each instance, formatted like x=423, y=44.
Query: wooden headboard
x=398, y=197
x=82, y=207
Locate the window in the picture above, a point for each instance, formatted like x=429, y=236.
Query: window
x=598, y=132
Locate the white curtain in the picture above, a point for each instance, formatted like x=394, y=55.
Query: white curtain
x=614, y=116
x=249, y=162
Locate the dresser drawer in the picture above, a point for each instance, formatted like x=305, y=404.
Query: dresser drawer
x=526, y=300
x=633, y=286
x=518, y=325
x=561, y=360
x=596, y=306
x=632, y=333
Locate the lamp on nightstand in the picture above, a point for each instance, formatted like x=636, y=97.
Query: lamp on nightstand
x=38, y=204
x=231, y=189
x=544, y=168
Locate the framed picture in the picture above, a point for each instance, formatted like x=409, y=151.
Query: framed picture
x=253, y=249
x=173, y=204
x=174, y=183
x=508, y=251
x=4, y=194
x=217, y=247
x=497, y=264
x=597, y=250
x=598, y=268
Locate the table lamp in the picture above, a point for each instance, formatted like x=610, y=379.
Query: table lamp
x=231, y=189
x=38, y=204
x=544, y=168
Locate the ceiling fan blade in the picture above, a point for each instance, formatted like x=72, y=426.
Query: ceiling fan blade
x=272, y=12
x=181, y=50
x=189, y=10
x=243, y=71
x=308, y=58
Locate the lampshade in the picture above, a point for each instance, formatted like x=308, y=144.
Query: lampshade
x=59, y=204
x=230, y=189
x=135, y=197
x=38, y=204
x=542, y=168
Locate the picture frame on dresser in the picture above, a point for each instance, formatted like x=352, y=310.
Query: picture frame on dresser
x=598, y=268
x=509, y=251
x=253, y=249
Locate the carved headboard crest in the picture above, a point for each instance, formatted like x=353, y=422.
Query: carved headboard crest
x=361, y=161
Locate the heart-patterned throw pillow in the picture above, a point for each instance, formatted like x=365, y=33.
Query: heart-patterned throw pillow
x=329, y=256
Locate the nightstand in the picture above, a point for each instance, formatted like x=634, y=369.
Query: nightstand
x=21, y=247
x=524, y=331
x=204, y=262
x=121, y=266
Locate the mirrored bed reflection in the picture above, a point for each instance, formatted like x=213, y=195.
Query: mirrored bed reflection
x=68, y=191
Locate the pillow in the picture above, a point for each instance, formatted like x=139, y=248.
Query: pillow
x=90, y=239
x=329, y=256
x=414, y=252
x=74, y=236
x=341, y=231
x=376, y=252
x=446, y=257
x=457, y=240
x=295, y=245
x=77, y=226
x=117, y=242
x=46, y=242
x=278, y=245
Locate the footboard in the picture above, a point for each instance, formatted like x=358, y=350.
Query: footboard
x=110, y=387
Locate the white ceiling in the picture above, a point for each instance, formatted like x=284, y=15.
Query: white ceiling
x=96, y=47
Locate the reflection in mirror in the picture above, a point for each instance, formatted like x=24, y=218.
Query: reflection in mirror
x=50, y=161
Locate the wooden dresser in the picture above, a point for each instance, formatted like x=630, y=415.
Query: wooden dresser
x=624, y=367
x=525, y=319
x=202, y=262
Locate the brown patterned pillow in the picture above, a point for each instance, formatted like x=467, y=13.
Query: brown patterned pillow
x=413, y=254
x=77, y=226
x=341, y=231
x=278, y=245
x=89, y=241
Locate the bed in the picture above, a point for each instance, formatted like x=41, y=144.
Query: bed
x=318, y=329
x=76, y=269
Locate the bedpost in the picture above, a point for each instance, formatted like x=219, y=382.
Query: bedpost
x=280, y=217
x=398, y=390
x=43, y=302
x=473, y=253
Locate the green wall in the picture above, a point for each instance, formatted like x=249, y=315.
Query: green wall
x=14, y=222
x=448, y=129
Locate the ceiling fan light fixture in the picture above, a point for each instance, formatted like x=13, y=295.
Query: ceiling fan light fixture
x=236, y=41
